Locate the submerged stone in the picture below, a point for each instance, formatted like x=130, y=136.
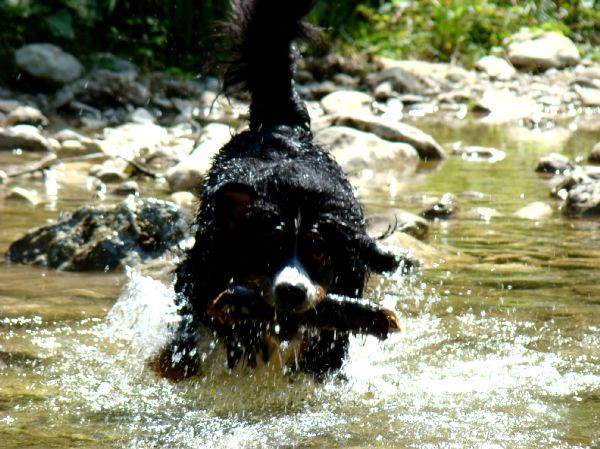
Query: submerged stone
x=104, y=238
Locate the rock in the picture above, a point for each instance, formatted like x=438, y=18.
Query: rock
x=130, y=139
x=535, y=211
x=109, y=61
x=503, y=105
x=189, y=173
x=112, y=170
x=426, y=146
x=496, y=68
x=482, y=213
x=49, y=63
x=356, y=150
x=186, y=200
x=383, y=91
x=555, y=164
x=397, y=221
x=583, y=199
x=427, y=72
x=594, y=156
x=104, y=89
x=345, y=80
x=444, y=208
x=71, y=142
x=402, y=243
x=347, y=102
x=3, y=178
x=104, y=238
x=26, y=115
x=477, y=153
x=542, y=51
x=127, y=188
x=142, y=116
x=400, y=80
x=21, y=195
x=24, y=137
x=589, y=96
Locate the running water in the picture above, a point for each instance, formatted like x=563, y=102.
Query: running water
x=499, y=345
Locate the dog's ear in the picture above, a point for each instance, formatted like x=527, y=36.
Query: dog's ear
x=377, y=258
x=232, y=203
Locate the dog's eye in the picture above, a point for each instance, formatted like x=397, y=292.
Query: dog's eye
x=318, y=247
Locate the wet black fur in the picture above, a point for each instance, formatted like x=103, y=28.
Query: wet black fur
x=278, y=167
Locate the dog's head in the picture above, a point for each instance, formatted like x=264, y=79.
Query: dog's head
x=295, y=223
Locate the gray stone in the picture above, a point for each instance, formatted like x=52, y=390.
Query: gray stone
x=589, y=96
x=583, y=199
x=190, y=172
x=496, y=68
x=542, y=51
x=24, y=137
x=444, y=208
x=478, y=153
x=535, y=211
x=400, y=80
x=347, y=102
x=554, y=163
x=398, y=220
x=594, y=156
x=356, y=150
x=26, y=115
x=49, y=63
x=393, y=131
x=21, y=195
x=503, y=106
x=104, y=238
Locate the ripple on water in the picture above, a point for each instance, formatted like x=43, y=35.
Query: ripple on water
x=449, y=381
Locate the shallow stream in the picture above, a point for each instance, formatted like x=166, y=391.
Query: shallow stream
x=500, y=341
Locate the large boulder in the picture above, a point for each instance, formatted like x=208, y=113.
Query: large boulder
x=356, y=150
x=104, y=238
x=542, y=51
x=49, y=63
x=394, y=131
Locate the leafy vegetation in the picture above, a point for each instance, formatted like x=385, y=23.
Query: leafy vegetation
x=178, y=33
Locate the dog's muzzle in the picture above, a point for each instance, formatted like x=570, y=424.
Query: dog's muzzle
x=294, y=291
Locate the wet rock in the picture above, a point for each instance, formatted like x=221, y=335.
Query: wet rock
x=419, y=252
x=583, y=199
x=347, y=102
x=189, y=173
x=109, y=61
x=442, y=209
x=356, y=150
x=111, y=171
x=426, y=146
x=398, y=221
x=24, y=137
x=503, y=105
x=535, y=211
x=49, y=63
x=594, y=156
x=345, y=80
x=555, y=164
x=104, y=238
x=478, y=153
x=496, y=68
x=541, y=51
x=129, y=139
x=18, y=194
x=127, y=188
x=26, y=115
x=73, y=143
x=482, y=213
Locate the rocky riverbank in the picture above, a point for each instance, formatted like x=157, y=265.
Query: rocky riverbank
x=118, y=132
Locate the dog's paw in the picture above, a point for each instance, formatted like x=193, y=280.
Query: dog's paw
x=174, y=365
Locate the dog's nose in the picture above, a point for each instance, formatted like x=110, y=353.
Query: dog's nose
x=290, y=296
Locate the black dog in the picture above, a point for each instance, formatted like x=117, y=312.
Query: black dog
x=277, y=213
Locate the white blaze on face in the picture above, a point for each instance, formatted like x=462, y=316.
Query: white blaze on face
x=294, y=275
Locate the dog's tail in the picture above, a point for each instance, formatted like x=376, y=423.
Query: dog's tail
x=263, y=59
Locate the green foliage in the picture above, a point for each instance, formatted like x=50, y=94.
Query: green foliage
x=446, y=30
x=180, y=33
